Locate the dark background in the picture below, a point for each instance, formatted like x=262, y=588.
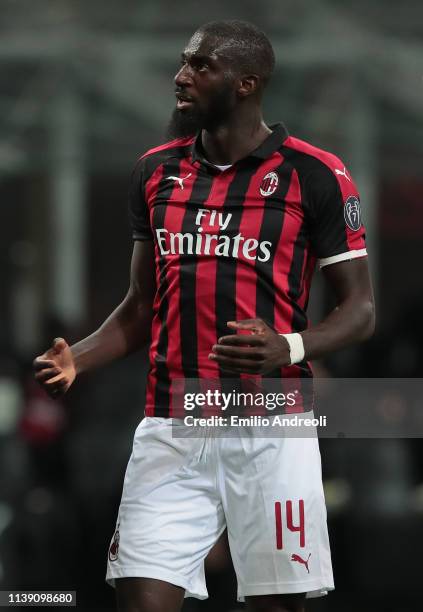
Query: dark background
x=86, y=88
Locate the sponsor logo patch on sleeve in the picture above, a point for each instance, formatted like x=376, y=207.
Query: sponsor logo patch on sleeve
x=352, y=213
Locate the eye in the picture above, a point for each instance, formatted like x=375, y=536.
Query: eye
x=202, y=66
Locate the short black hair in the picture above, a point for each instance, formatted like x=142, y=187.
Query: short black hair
x=250, y=48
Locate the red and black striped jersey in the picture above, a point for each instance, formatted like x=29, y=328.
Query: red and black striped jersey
x=236, y=244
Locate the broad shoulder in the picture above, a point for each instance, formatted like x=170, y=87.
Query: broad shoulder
x=317, y=167
x=312, y=154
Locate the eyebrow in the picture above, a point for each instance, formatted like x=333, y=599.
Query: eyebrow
x=197, y=58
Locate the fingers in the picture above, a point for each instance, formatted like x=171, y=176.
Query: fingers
x=243, y=352
x=46, y=374
x=41, y=363
x=59, y=345
x=255, y=325
x=241, y=340
x=50, y=377
x=47, y=360
x=56, y=386
x=237, y=363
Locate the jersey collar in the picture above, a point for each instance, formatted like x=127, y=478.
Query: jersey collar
x=272, y=143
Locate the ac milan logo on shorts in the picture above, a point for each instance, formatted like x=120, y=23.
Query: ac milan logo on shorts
x=352, y=213
x=114, y=546
x=269, y=184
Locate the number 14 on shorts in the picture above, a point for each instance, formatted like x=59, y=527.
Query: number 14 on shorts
x=284, y=518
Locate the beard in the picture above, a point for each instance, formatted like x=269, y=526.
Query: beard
x=184, y=123
x=189, y=122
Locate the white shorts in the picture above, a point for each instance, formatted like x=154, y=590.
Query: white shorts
x=179, y=494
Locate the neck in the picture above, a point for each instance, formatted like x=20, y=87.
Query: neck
x=243, y=132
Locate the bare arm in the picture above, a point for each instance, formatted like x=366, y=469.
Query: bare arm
x=124, y=331
x=353, y=319
x=350, y=322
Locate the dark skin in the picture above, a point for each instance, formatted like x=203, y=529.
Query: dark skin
x=206, y=68
x=351, y=321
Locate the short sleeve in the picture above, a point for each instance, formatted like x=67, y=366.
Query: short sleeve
x=336, y=229
x=138, y=209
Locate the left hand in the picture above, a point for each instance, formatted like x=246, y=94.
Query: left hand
x=258, y=352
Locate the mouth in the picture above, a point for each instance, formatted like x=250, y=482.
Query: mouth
x=183, y=101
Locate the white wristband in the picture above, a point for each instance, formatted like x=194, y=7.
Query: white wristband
x=296, y=347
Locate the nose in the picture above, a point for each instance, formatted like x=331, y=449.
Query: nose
x=183, y=77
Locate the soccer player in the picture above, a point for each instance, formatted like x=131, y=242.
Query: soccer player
x=229, y=219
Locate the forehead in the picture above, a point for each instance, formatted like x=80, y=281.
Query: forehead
x=204, y=44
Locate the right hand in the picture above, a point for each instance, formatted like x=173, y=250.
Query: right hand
x=55, y=370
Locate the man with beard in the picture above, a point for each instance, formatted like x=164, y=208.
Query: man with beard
x=228, y=221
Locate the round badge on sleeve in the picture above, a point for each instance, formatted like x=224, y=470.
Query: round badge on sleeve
x=352, y=213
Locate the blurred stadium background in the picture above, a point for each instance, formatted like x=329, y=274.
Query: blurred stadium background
x=87, y=87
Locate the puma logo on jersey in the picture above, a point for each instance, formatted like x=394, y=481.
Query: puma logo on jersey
x=178, y=179
x=343, y=173
x=299, y=559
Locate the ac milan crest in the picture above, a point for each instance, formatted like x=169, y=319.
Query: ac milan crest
x=114, y=546
x=269, y=184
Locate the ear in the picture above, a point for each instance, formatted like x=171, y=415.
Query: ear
x=248, y=85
